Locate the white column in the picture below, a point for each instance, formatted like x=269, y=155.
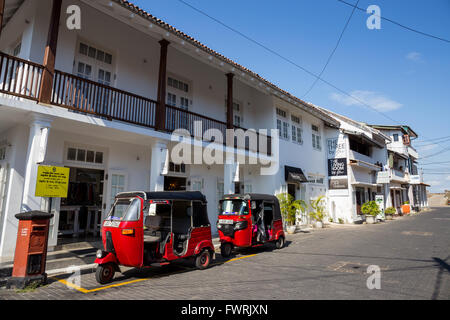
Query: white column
x=37, y=148
x=158, y=166
x=231, y=169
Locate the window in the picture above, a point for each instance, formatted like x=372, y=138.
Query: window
x=395, y=136
x=117, y=185
x=83, y=155
x=281, y=113
x=282, y=124
x=315, y=179
x=171, y=99
x=2, y=153
x=94, y=53
x=297, y=135
x=104, y=77
x=237, y=113
x=177, y=168
x=177, y=84
x=316, y=139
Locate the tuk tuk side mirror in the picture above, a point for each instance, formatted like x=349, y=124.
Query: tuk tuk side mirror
x=189, y=211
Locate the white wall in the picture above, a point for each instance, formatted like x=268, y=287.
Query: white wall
x=16, y=155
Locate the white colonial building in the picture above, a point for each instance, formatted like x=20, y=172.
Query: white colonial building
x=104, y=100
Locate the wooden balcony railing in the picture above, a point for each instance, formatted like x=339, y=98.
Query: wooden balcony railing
x=20, y=78
x=23, y=78
x=91, y=97
x=177, y=118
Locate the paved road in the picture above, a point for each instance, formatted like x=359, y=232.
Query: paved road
x=413, y=254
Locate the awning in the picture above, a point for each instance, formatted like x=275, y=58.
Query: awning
x=294, y=175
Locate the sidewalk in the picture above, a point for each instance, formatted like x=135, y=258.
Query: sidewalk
x=59, y=262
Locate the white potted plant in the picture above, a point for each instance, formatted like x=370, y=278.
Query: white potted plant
x=370, y=209
x=289, y=208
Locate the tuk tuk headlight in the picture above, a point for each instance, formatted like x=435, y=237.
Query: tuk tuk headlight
x=240, y=225
x=99, y=254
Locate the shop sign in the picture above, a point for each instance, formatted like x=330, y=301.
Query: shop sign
x=383, y=177
x=338, y=184
x=337, y=167
x=379, y=199
x=52, y=182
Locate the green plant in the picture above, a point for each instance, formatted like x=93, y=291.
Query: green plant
x=370, y=208
x=406, y=202
x=341, y=221
x=318, y=209
x=289, y=207
x=330, y=219
x=390, y=210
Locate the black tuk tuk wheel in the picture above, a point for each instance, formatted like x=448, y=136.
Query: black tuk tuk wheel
x=280, y=243
x=104, y=273
x=226, y=249
x=202, y=260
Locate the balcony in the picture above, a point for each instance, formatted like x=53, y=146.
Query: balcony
x=413, y=152
x=398, y=176
x=22, y=79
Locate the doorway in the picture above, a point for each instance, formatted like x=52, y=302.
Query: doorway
x=360, y=199
x=174, y=183
x=81, y=212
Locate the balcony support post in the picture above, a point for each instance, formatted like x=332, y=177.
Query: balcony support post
x=230, y=116
x=48, y=73
x=2, y=12
x=161, y=106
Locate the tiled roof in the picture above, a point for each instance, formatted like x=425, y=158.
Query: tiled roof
x=135, y=9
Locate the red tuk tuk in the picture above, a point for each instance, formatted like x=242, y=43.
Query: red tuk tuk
x=249, y=220
x=145, y=229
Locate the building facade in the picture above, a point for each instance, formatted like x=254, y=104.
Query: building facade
x=105, y=101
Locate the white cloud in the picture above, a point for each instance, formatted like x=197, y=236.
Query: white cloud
x=414, y=56
x=374, y=99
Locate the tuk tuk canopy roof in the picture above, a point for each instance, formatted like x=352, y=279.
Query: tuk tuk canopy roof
x=256, y=197
x=165, y=195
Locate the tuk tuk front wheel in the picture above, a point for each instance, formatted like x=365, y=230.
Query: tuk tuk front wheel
x=105, y=273
x=226, y=249
x=280, y=243
x=202, y=260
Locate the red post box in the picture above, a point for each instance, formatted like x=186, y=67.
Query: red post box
x=31, y=249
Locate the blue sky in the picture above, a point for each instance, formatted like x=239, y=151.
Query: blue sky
x=401, y=73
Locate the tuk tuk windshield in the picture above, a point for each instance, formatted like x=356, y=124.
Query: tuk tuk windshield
x=234, y=207
x=125, y=210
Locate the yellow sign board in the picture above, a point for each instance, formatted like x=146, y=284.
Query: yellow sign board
x=52, y=182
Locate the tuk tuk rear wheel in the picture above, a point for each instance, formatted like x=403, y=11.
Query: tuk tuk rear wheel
x=202, y=260
x=105, y=273
x=280, y=243
x=226, y=249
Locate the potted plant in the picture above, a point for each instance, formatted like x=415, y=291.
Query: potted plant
x=389, y=213
x=406, y=208
x=370, y=209
x=289, y=208
x=318, y=211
